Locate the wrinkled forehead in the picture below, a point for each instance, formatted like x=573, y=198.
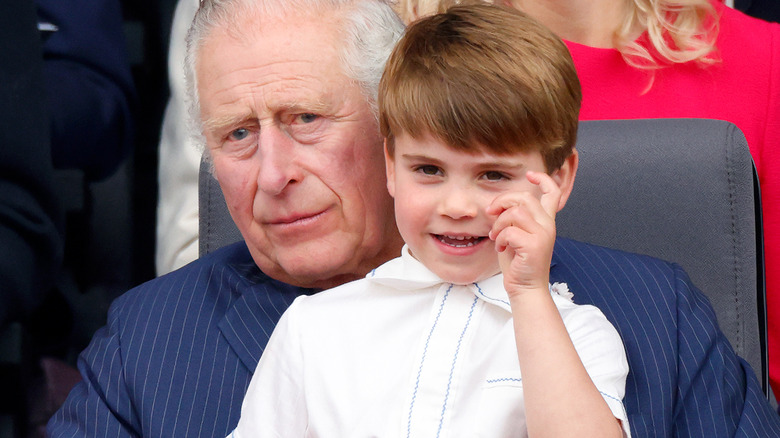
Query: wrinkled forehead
x=246, y=20
x=278, y=51
x=281, y=39
x=276, y=73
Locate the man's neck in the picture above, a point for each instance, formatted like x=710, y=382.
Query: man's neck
x=588, y=22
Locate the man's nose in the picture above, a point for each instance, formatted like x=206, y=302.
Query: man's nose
x=459, y=202
x=278, y=165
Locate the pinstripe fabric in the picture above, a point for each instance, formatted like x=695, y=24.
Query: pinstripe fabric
x=178, y=352
x=684, y=378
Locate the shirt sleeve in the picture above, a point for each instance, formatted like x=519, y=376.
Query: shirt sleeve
x=603, y=355
x=275, y=403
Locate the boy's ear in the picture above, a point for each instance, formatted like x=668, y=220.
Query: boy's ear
x=389, y=171
x=565, y=175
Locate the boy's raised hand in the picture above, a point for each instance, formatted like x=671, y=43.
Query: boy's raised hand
x=524, y=232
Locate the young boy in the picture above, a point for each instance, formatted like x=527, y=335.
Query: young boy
x=462, y=335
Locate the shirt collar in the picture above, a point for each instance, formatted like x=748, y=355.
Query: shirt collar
x=407, y=273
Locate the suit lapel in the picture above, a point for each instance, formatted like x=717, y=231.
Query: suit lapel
x=249, y=321
x=241, y=333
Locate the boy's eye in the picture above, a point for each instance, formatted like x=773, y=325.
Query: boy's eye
x=428, y=170
x=494, y=176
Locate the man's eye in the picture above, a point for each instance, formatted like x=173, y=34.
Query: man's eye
x=494, y=176
x=307, y=117
x=239, y=134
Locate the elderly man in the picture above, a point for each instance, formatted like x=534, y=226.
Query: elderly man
x=286, y=98
x=286, y=94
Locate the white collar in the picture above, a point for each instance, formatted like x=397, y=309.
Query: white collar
x=407, y=273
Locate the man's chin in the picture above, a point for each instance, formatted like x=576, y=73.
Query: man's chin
x=311, y=272
x=319, y=279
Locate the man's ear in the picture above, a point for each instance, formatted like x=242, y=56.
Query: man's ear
x=565, y=175
x=390, y=171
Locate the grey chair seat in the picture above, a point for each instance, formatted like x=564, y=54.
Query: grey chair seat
x=682, y=190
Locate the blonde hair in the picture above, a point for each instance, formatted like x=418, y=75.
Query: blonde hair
x=482, y=77
x=413, y=10
x=678, y=31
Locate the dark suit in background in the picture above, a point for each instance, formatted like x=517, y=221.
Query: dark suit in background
x=86, y=93
x=30, y=246
x=89, y=87
x=768, y=10
x=30, y=242
x=178, y=352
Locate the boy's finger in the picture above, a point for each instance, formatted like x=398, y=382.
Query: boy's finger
x=511, y=238
x=551, y=193
x=510, y=205
x=508, y=200
x=528, y=216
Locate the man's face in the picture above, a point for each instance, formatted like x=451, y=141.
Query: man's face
x=296, y=150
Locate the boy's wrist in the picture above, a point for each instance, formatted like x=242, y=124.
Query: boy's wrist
x=518, y=292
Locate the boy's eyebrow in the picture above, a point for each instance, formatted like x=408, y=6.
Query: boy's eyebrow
x=420, y=157
x=502, y=164
x=480, y=165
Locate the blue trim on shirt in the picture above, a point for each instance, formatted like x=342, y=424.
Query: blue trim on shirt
x=422, y=361
x=454, y=361
x=504, y=379
x=482, y=294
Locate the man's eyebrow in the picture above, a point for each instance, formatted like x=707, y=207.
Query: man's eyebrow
x=221, y=122
x=317, y=107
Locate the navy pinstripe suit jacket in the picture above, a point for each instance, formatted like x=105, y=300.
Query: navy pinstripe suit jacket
x=178, y=352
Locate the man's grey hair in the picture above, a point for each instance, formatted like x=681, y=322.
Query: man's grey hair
x=370, y=29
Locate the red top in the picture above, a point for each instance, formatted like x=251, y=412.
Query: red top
x=743, y=89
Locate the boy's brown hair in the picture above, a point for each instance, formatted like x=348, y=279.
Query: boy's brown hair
x=482, y=75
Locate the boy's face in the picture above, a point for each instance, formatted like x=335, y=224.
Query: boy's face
x=441, y=196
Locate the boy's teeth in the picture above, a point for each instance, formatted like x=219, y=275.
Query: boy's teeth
x=459, y=241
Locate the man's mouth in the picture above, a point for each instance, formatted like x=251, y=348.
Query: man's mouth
x=459, y=241
x=295, y=219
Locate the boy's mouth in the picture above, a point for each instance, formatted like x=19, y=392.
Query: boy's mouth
x=459, y=241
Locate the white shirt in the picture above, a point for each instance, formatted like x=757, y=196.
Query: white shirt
x=401, y=353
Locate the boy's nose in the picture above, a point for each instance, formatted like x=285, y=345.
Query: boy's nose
x=459, y=203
